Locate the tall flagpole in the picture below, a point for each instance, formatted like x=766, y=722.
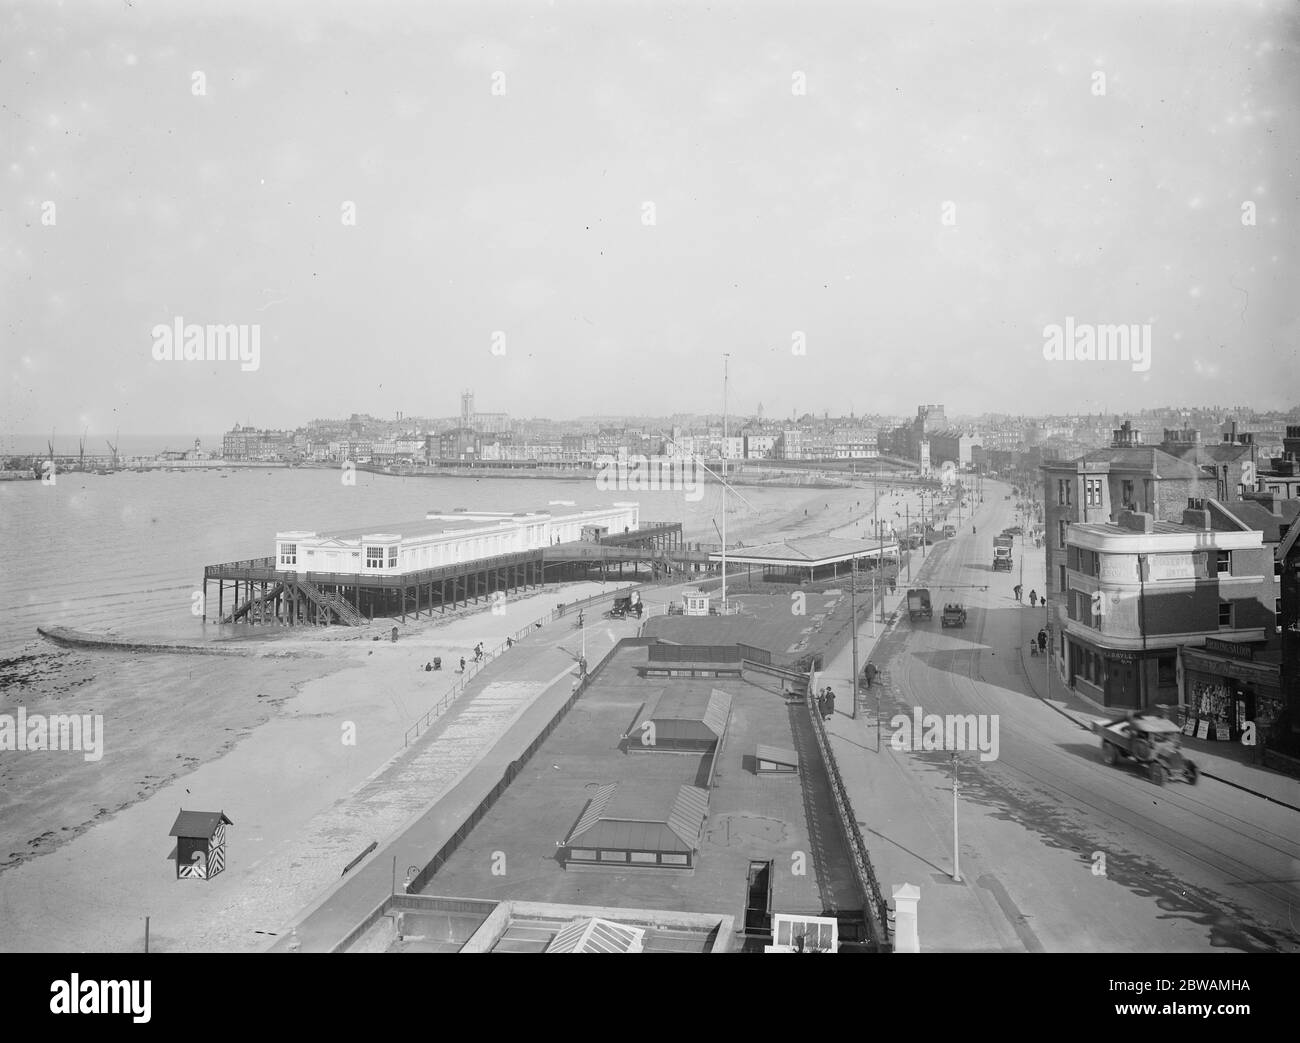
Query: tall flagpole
x=725, y=357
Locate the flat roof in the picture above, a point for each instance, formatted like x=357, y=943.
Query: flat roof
x=409, y=529
x=750, y=816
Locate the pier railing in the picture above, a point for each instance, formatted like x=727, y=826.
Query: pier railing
x=240, y=567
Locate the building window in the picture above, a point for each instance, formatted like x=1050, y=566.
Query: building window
x=288, y=554
x=1225, y=615
x=674, y=860
x=374, y=557
x=577, y=855
x=645, y=856
x=1277, y=615
x=1060, y=492
x=392, y=557
x=1062, y=584
x=1223, y=562
x=1062, y=526
x=613, y=856
x=1093, y=492
x=1126, y=492
x=1277, y=572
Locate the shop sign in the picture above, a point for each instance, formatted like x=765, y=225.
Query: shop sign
x=1171, y=566
x=1234, y=649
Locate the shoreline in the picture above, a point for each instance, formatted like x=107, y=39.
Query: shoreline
x=255, y=731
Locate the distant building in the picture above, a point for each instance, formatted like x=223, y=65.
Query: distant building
x=952, y=445
x=1282, y=475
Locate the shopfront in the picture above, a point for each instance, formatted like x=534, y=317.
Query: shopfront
x=1226, y=689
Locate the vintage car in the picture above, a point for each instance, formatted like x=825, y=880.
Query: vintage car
x=1152, y=741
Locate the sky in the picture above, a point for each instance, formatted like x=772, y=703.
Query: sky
x=578, y=208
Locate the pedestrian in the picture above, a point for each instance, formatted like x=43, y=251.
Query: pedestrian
x=462, y=664
x=1017, y=590
x=509, y=641
x=870, y=671
x=830, y=704
x=1033, y=599
x=1042, y=640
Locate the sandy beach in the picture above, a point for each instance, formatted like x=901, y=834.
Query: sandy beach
x=260, y=733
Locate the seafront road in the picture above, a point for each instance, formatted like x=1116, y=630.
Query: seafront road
x=1058, y=851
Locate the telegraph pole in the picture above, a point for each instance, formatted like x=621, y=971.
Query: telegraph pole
x=853, y=599
x=907, y=524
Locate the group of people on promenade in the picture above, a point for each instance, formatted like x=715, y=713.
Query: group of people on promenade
x=826, y=703
x=1033, y=595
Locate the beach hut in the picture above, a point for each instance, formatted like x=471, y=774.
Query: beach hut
x=200, y=851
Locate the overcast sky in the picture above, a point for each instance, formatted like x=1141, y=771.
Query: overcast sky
x=220, y=199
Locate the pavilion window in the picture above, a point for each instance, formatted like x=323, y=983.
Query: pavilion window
x=288, y=554
x=392, y=557
x=374, y=557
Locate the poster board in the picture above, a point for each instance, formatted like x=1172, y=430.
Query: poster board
x=1203, y=730
x=1189, y=726
x=1221, y=732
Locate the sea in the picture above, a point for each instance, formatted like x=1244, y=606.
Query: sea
x=124, y=553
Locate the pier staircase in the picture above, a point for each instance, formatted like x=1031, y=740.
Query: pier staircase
x=336, y=604
x=257, y=606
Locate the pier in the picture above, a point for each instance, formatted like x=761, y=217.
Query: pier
x=257, y=590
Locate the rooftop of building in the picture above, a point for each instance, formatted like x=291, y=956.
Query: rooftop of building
x=750, y=817
x=1254, y=515
x=1158, y=528
x=438, y=522
x=1145, y=458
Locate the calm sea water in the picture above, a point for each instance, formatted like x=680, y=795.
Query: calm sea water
x=124, y=553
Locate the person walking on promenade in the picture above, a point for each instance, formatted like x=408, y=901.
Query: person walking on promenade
x=1016, y=590
x=462, y=664
x=830, y=703
x=870, y=672
x=1042, y=640
x=1033, y=599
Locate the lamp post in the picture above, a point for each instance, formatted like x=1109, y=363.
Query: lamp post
x=956, y=850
